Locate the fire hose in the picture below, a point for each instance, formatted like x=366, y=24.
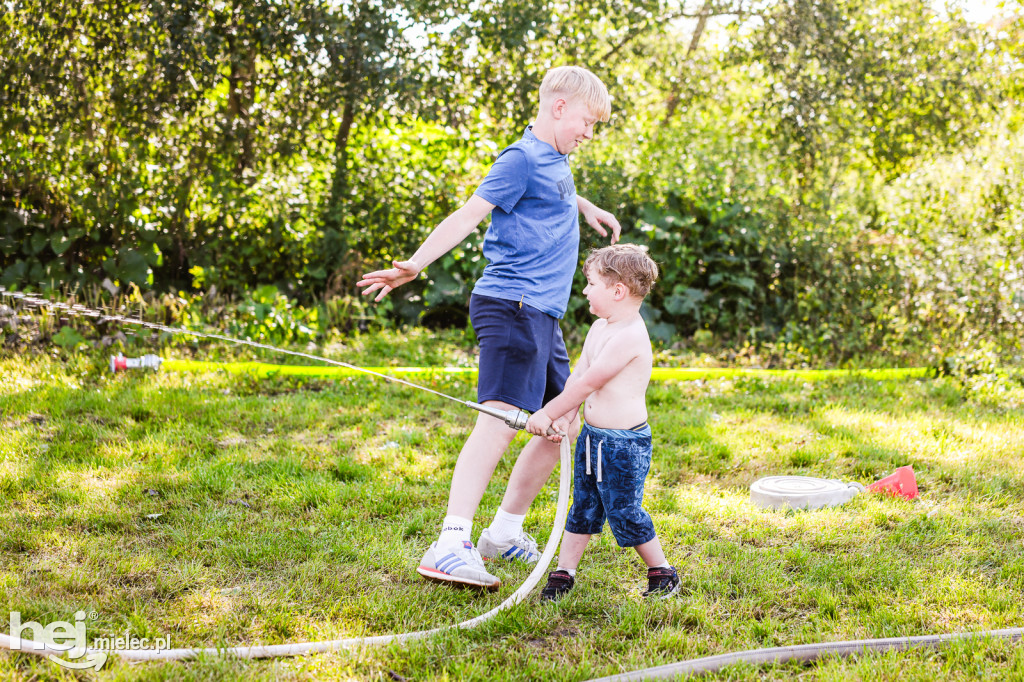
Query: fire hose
x=300, y=648
x=514, y=419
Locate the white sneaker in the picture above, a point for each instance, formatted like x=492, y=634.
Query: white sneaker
x=461, y=565
x=522, y=548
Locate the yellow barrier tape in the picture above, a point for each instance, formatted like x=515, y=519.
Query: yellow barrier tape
x=658, y=374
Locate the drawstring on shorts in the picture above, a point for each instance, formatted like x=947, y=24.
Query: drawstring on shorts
x=599, y=457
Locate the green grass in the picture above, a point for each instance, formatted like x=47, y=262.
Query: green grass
x=228, y=510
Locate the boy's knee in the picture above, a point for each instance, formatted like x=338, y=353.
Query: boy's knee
x=631, y=529
x=633, y=537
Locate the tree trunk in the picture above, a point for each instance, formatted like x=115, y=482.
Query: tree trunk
x=339, y=184
x=698, y=31
x=241, y=94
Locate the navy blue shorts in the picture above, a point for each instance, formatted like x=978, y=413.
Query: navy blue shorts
x=608, y=482
x=523, y=360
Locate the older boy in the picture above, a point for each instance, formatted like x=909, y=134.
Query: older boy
x=532, y=248
x=613, y=453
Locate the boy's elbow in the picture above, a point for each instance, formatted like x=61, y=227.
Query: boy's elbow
x=587, y=388
x=467, y=223
x=595, y=380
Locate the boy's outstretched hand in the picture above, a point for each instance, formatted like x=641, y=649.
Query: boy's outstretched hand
x=389, y=280
x=596, y=216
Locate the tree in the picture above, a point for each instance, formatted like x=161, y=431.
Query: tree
x=888, y=82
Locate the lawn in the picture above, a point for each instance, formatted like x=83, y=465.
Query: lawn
x=226, y=510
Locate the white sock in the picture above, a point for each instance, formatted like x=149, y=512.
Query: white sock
x=570, y=571
x=664, y=565
x=454, y=531
x=506, y=526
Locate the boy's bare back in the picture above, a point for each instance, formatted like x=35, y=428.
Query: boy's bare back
x=623, y=350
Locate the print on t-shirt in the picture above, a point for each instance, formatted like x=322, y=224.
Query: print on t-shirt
x=566, y=188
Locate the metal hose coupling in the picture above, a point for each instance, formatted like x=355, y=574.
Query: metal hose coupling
x=514, y=419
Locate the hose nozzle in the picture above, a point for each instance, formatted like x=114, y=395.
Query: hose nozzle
x=514, y=419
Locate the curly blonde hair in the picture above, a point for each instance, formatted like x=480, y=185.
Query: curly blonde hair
x=626, y=263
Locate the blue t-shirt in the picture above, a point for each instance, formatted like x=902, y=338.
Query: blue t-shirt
x=532, y=246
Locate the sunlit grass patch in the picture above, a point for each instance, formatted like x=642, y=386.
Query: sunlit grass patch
x=202, y=506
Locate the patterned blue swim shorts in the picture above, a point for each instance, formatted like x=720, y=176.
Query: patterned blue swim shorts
x=610, y=468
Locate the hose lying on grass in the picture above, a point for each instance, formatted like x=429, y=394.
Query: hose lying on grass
x=514, y=419
x=804, y=653
x=300, y=648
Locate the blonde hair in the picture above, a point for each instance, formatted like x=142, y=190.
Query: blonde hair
x=626, y=263
x=576, y=83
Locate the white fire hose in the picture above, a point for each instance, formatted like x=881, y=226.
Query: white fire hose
x=300, y=648
x=515, y=419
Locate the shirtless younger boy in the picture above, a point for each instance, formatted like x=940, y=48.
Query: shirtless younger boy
x=613, y=452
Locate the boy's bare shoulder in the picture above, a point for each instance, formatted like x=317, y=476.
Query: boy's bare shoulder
x=631, y=337
x=596, y=331
x=636, y=330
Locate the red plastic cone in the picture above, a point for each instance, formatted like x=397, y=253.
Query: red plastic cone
x=900, y=483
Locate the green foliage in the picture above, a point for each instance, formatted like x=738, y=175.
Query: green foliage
x=959, y=237
x=267, y=316
x=838, y=81
x=981, y=378
x=729, y=269
x=791, y=165
x=405, y=179
x=68, y=339
x=710, y=257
